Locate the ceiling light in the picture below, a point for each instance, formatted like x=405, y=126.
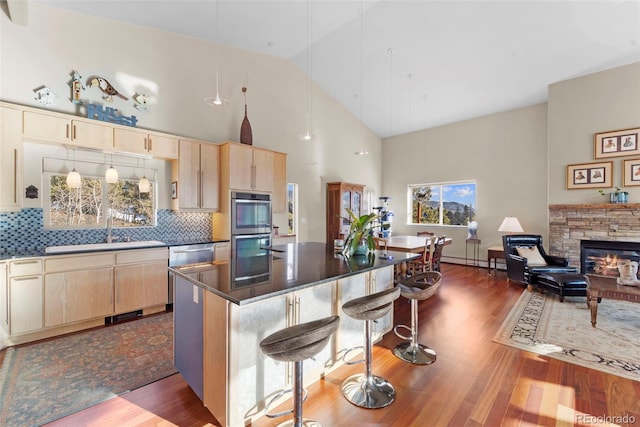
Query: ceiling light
x=73, y=179
x=144, y=186
x=111, y=175
x=217, y=101
x=362, y=151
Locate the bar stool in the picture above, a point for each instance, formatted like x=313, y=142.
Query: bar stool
x=367, y=390
x=415, y=288
x=295, y=344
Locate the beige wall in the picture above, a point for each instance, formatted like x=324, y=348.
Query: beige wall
x=505, y=153
x=579, y=108
x=177, y=72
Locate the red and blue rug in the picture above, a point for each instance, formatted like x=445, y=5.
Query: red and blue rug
x=48, y=380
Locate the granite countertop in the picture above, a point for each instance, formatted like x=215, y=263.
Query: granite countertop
x=289, y=268
x=40, y=251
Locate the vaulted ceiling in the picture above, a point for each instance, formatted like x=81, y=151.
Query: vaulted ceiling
x=465, y=58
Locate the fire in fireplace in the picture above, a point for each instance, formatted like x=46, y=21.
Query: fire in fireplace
x=602, y=256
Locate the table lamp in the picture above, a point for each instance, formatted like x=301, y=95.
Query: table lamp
x=510, y=225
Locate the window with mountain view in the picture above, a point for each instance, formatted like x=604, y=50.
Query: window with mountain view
x=442, y=204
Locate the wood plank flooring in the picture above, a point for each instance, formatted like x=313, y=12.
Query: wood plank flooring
x=474, y=382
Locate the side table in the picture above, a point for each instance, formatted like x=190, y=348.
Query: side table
x=493, y=253
x=475, y=243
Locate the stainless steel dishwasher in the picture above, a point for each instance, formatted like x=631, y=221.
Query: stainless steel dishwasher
x=188, y=254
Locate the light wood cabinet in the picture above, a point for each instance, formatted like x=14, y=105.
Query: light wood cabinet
x=10, y=159
x=247, y=168
x=197, y=173
x=141, y=279
x=62, y=129
x=26, y=298
x=144, y=142
x=77, y=288
x=4, y=301
x=279, y=198
x=340, y=196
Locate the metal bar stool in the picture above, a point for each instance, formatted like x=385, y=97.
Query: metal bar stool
x=415, y=288
x=367, y=390
x=295, y=344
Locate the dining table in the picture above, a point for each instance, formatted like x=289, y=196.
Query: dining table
x=407, y=243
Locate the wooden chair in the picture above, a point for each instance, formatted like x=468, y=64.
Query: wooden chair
x=424, y=263
x=380, y=243
x=425, y=233
x=437, y=254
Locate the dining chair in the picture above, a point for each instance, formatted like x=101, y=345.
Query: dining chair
x=380, y=243
x=425, y=233
x=437, y=253
x=424, y=263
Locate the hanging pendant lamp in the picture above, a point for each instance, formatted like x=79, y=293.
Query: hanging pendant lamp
x=111, y=175
x=73, y=178
x=217, y=101
x=362, y=151
x=144, y=186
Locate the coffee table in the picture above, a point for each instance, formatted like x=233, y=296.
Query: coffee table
x=599, y=287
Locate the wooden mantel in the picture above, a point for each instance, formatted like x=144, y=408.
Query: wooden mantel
x=597, y=206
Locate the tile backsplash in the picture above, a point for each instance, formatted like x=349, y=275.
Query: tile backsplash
x=24, y=231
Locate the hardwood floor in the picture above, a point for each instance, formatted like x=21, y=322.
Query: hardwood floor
x=474, y=382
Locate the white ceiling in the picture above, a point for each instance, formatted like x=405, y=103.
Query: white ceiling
x=466, y=58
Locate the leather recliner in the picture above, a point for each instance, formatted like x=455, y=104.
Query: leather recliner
x=517, y=268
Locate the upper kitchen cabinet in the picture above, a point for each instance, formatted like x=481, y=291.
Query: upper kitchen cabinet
x=62, y=129
x=143, y=142
x=247, y=168
x=10, y=159
x=279, y=199
x=197, y=176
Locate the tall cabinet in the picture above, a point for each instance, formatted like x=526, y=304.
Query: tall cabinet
x=340, y=196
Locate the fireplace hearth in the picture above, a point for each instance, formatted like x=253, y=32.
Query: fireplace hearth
x=602, y=256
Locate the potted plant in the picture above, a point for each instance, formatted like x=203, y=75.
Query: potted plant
x=617, y=196
x=360, y=241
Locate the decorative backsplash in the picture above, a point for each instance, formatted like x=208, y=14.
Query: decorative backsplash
x=23, y=232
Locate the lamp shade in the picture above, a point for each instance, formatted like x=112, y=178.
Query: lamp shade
x=73, y=179
x=111, y=175
x=144, y=185
x=510, y=224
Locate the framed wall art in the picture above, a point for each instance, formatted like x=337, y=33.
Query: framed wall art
x=617, y=143
x=631, y=173
x=589, y=175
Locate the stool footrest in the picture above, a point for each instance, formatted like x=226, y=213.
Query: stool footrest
x=281, y=393
x=349, y=350
x=404, y=337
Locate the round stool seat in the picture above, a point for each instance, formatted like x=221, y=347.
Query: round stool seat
x=420, y=286
x=300, y=342
x=372, y=307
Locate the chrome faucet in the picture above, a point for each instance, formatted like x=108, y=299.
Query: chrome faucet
x=109, y=228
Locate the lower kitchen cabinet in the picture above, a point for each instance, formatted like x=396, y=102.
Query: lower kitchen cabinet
x=26, y=304
x=77, y=295
x=188, y=338
x=139, y=286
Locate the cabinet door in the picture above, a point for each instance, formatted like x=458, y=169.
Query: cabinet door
x=189, y=175
x=10, y=159
x=188, y=326
x=140, y=286
x=279, y=199
x=77, y=295
x=130, y=141
x=240, y=160
x=263, y=163
x=4, y=298
x=210, y=176
x=221, y=251
x=92, y=135
x=44, y=126
x=163, y=146
x=26, y=304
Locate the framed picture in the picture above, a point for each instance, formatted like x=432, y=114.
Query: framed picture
x=589, y=175
x=631, y=172
x=617, y=143
x=174, y=190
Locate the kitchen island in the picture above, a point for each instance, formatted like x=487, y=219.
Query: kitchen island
x=225, y=308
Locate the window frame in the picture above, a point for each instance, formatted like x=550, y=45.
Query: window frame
x=105, y=204
x=411, y=187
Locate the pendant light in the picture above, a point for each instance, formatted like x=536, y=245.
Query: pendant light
x=144, y=186
x=217, y=101
x=307, y=135
x=73, y=178
x=362, y=151
x=390, y=50
x=112, y=174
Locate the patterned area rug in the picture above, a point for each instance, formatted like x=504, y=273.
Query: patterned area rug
x=45, y=381
x=542, y=324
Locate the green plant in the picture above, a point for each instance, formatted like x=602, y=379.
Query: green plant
x=361, y=229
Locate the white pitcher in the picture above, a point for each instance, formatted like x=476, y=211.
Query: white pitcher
x=628, y=270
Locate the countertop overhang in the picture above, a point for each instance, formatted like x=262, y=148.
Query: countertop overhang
x=290, y=267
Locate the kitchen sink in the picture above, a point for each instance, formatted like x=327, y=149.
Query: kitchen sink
x=102, y=246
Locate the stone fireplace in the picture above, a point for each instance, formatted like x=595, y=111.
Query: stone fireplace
x=570, y=224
